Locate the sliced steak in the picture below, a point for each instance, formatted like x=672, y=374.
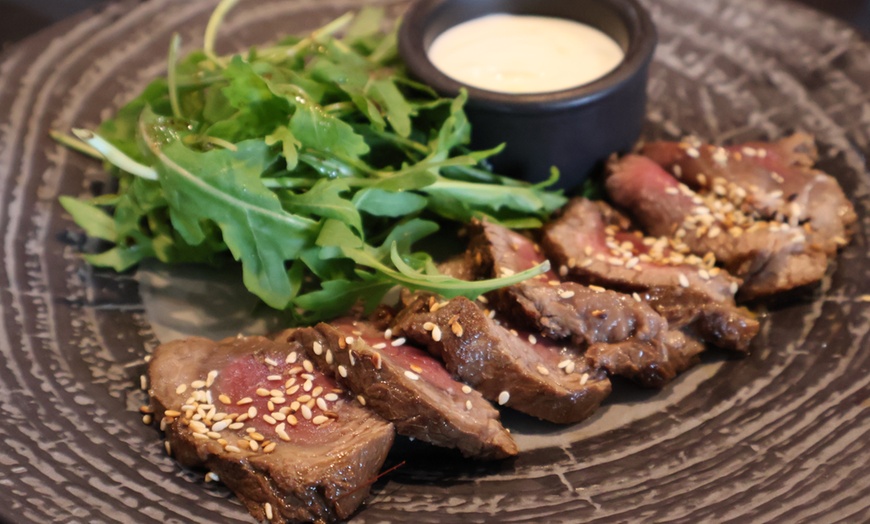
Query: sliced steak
x=770, y=257
x=592, y=243
x=775, y=180
x=237, y=408
x=568, y=310
x=408, y=387
x=528, y=373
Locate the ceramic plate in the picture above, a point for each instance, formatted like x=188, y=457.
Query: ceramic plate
x=779, y=436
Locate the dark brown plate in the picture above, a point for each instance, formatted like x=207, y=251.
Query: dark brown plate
x=779, y=436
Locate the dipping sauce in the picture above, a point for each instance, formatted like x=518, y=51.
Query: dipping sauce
x=524, y=53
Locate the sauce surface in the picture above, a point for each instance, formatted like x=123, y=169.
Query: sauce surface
x=524, y=54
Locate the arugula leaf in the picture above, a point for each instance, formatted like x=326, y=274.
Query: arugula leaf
x=224, y=187
x=316, y=163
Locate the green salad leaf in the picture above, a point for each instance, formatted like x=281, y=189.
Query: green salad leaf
x=316, y=163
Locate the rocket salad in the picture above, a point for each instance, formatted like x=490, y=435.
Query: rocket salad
x=316, y=163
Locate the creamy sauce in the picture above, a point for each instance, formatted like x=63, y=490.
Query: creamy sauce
x=524, y=54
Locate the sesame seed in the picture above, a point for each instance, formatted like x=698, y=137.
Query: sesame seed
x=597, y=289
x=342, y=371
x=256, y=436
x=543, y=370
x=210, y=378
x=388, y=334
x=322, y=404
x=232, y=449
x=277, y=415
x=236, y=425
x=168, y=447
x=306, y=387
x=411, y=375
x=436, y=334
x=563, y=271
x=270, y=419
x=318, y=349
x=292, y=390
x=306, y=412
x=584, y=378
x=636, y=297
x=319, y=419
x=468, y=405
x=633, y=261
x=267, y=509
x=268, y=448
x=181, y=389
x=570, y=367
x=415, y=368
x=224, y=399
x=361, y=400
x=428, y=326
x=348, y=340
x=262, y=392
x=291, y=358
x=270, y=361
x=564, y=364
x=222, y=425
x=734, y=287
x=466, y=389
x=274, y=377
x=201, y=436
x=307, y=365
x=252, y=412
x=147, y=419
x=503, y=398
x=197, y=384
x=212, y=477
x=566, y=294
x=456, y=328
x=692, y=152
x=214, y=435
x=292, y=420
x=684, y=281
x=398, y=342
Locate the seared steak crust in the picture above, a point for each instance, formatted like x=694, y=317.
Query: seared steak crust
x=567, y=310
x=407, y=387
x=594, y=244
x=774, y=180
x=770, y=257
x=313, y=470
x=529, y=373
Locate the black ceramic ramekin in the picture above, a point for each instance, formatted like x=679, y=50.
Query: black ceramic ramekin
x=575, y=129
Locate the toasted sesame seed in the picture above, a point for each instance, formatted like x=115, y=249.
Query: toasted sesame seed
x=232, y=449
x=307, y=365
x=542, y=370
x=398, y=342
x=257, y=436
x=197, y=384
x=318, y=349
x=168, y=447
x=243, y=417
x=319, y=419
x=172, y=413
x=411, y=375
x=361, y=399
x=428, y=326
x=456, y=328
x=292, y=420
x=181, y=389
x=224, y=399
x=274, y=377
x=147, y=419
x=262, y=392
x=201, y=436
x=503, y=398
x=270, y=419
x=236, y=425
x=268, y=448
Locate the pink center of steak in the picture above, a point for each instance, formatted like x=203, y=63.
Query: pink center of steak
x=278, y=393
x=407, y=357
